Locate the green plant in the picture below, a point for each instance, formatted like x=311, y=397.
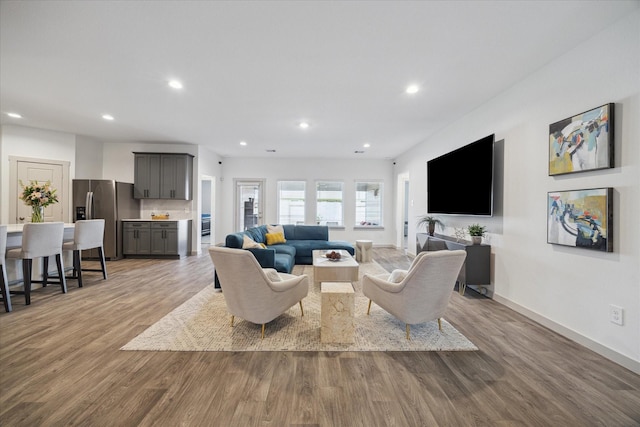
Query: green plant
x=476, y=230
x=429, y=220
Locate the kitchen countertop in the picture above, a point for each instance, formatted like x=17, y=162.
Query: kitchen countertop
x=17, y=228
x=156, y=220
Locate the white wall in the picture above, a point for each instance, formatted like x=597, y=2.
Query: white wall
x=312, y=170
x=89, y=159
x=20, y=141
x=209, y=167
x=567, y=289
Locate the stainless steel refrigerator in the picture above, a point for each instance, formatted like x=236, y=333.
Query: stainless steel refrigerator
x=108, y=199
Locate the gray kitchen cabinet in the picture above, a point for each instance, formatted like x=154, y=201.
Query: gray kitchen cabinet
x=136, y=238
x=476, y=269
x=156, y=238
x=146, y=176
x=169, y=238
x=175, y=178
x=163, y=176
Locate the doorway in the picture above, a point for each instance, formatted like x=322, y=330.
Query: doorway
x=403, y=186
x=24, y=170
x=207, y=234
x=249, y=203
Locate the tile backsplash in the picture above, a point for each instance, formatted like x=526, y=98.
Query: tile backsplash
x=177, y=209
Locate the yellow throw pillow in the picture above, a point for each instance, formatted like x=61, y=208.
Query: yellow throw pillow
x=275, y=238
x=248, y=242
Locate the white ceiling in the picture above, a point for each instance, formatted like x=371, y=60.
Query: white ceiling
x=253, y=69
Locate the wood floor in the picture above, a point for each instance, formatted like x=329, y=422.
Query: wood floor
x=60, y=364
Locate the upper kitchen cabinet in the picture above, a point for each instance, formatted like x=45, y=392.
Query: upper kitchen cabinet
x=163, y=176
x=146, y=176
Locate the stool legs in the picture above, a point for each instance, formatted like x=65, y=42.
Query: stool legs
x=63, y=280
x=102, y=263
x=45, y=274
x=77, y=268
x=77, y=265
x=26, y=278
x=6, y=296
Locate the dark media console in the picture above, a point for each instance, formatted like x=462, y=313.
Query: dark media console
x=476, y=269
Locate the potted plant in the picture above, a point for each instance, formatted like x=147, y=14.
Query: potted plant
x=431, y=222
x=476, y=231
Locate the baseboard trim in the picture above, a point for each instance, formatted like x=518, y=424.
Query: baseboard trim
x=614, y=356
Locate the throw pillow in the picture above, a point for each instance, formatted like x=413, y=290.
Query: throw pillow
x=275, y=238
x=275, y=229
x=272, y=274
x=248, y=242
x=397, y=276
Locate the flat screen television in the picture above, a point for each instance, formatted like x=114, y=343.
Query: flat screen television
x=461, y=181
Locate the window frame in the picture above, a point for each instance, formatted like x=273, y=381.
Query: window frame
x=357, y=201
x=339, y=220
x=280, y=199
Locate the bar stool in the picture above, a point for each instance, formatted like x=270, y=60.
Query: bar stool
x=88, y=234
x=4, y=285
x=40, y=240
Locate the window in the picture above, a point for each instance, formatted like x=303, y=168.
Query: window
x=368, y=204
x=329, y=203
x=291, y=202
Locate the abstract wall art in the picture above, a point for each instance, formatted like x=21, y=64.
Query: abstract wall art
x=583, y=142
x=581, y=218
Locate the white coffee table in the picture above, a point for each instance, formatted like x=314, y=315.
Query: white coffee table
x=325, y=270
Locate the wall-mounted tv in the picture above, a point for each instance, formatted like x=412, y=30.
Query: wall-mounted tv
x=461, y=181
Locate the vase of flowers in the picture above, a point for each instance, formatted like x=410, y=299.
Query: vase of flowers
x=38, y=196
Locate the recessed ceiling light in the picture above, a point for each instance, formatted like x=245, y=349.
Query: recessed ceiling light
x=304, y=125
x=243, y=143
x=366, y=145
x=107, y=116
x=14, y=115
x=411, y=89
x=175, y=84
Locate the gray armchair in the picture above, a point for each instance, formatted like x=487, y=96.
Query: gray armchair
x=255, y=294
x=420, y=294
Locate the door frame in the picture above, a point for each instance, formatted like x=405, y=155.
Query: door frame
x=212, y=208
x=403, y=208
x=237, y=182
x=63, y=192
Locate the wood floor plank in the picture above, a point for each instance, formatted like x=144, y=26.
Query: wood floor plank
x=60, y=364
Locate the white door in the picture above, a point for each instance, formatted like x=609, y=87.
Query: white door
x=41, y=172
x=249, y=204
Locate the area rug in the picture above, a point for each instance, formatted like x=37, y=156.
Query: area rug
x=203, y=324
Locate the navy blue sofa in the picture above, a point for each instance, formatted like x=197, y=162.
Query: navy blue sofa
x=301, y=241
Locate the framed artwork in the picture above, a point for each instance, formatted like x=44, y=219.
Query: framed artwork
x=583, y=142
x=581, y=218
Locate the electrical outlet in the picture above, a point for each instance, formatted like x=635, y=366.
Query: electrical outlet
x=615, y=314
